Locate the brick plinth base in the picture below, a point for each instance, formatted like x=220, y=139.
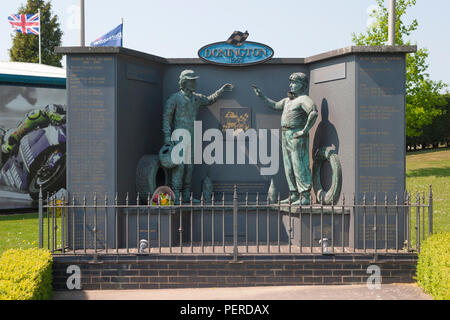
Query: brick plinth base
x=199, y=271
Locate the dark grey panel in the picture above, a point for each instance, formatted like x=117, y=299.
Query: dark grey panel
x=140, y=73
x=91, y=143
x=91, y=124
x=380, y=138
x=335, y=125
x=381, y=124
x=273, y=81
x=139, y=117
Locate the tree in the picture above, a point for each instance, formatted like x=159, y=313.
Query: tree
x=423, y=98
x=25, y=47
x=438, y=132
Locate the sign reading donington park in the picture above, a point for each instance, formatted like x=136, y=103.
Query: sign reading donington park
x=236, y=52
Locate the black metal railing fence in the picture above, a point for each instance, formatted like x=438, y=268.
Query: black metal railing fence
x=83, y=225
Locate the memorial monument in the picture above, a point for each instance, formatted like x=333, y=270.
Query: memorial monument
x=115, y=117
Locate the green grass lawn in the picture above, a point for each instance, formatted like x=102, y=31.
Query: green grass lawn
x=18, y=231
x=431, y=167
x=22, y=231
x=422, y=169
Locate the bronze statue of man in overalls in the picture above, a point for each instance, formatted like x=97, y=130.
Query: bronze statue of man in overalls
x=180, y=112
x=299, y=115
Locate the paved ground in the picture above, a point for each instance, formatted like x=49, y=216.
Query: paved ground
x=345, y=292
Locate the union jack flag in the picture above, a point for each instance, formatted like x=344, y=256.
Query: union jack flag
x=25, y=23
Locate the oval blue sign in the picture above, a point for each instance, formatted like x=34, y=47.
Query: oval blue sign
x=224, y=53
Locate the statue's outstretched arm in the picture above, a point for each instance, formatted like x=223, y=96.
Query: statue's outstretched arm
x=271, y=103
x=169, y=110
x=276, y=105
x=216, y=95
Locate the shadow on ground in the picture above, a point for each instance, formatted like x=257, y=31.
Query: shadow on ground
x=18, y=216
x=74, y=295
x=427, y=172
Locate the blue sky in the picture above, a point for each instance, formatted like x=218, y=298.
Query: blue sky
x=293, y=28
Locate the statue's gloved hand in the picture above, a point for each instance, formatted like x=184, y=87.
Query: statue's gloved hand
x=258, y=91
x=227, y=87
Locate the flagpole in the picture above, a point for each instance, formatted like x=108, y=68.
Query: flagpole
x=40, y=30
x=82, y=41
x=391, y=28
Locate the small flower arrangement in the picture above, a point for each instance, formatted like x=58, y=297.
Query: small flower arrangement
x=162, y=199
x=163, y=196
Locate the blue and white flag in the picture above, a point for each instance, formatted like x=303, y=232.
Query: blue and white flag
x=111, y=39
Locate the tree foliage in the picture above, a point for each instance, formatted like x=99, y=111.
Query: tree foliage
x=25, y=47
x=434, y=134
x=423, y=98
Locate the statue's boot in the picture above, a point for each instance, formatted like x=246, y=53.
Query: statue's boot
x=293, y=197
x=187, y=197
x=177, y=182
x=305, y=200
x=177, y=196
